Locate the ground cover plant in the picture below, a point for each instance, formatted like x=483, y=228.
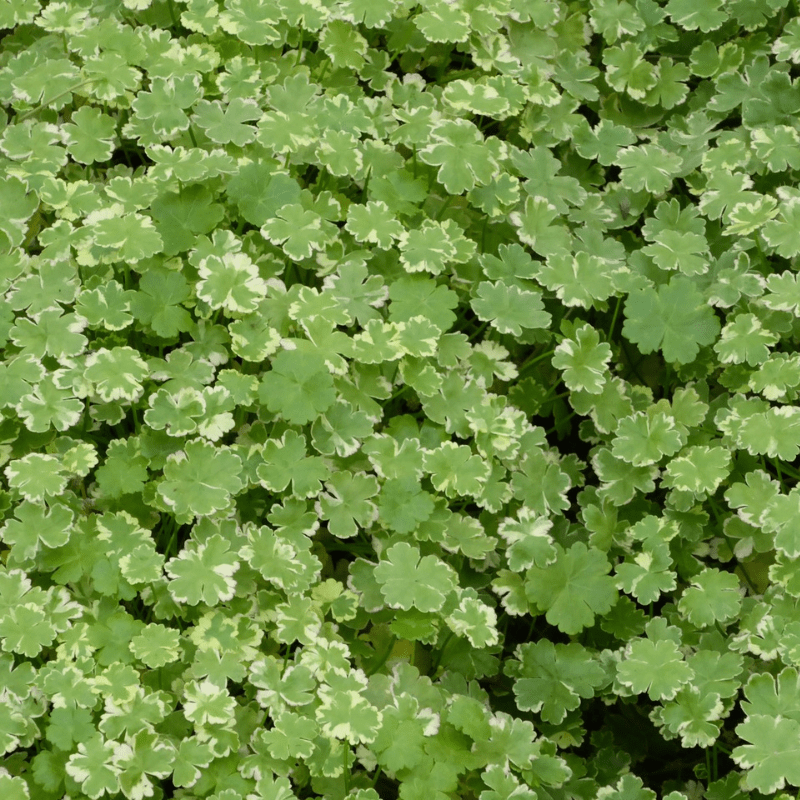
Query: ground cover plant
x=399, y=400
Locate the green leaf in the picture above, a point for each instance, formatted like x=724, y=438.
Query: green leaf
x=181, y=216
x=645, y=437
x=474, y=620
x=628, y=71
x=200, y=479
x=509, y=309
x=259, y=189
x=464, y=158
x=47, y=405
x=574, y=589
x=454, y=470
x=373, y=222
x=655, y=667
x=673, y=318
x=408, y=581
x=203, y=573
x=528, y=540
x=298, y=231
x=90, y=135
x=93, y=767
x=346, y=504
x=535, y=230
x=551, y=679
x=772, y=753
x=299, y=386
x=36, y=476
x=285, y=462
x=713, y=597
x=648, y=575
x=116, y=374
x=227, y=124
x=157, y=303
x=343, y=44
x=35, y=526
x=584, y=360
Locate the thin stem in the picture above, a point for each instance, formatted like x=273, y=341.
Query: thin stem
x=479, y=331
x=453, y=76
x=405, y=387
x=718, y=517
x=630, y=362
x=384, y=658
x=172, y=14
x=614, y=318
x=440, y=653
x=554, y=429
x=366, y=184
x=173, y=537
x=534, y=359
x=558, y=396
x=777, y=464
x=346, y=771
x=715, y=762
x=444, y=206
x=38, y=108
x=135, y=416
x=285, y=658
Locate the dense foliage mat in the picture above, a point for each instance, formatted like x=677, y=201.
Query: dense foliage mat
x=399, y=400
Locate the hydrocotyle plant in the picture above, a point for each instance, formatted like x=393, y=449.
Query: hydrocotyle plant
x=399, y=400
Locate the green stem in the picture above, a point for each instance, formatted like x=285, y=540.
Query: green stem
x=444, y=206
x=614, y=318
x=376, y=776
x=366, y=184
x=479, y=331
x=135, y=416
x=630, y=362
x=777, y=464
x=718, y=517
x=384, y=658
x=716, y=773
x=172, y=14
x=440, y=653
x=566, y=419
x=346, y=771
x=191, y=136
x=285, y=658
x=453, y=76
x=405, y=387
x=558, y=396
x=534, y=359
x=173, y=537
x=38, y=108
